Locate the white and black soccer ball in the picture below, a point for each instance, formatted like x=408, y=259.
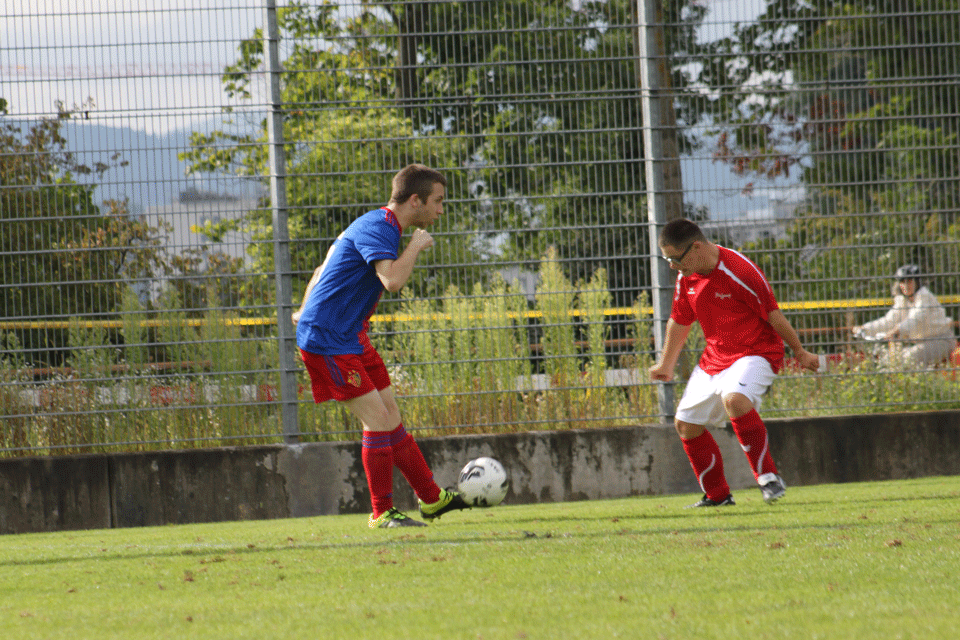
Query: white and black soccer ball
x=483, y=483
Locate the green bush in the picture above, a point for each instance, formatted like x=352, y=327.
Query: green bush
x=486, y=361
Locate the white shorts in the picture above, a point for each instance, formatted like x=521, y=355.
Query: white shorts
x=702, y=401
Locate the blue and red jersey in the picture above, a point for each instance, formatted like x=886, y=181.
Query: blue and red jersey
x=732, y=304
x=338, y=309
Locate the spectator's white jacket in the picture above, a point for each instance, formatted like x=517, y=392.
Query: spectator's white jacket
x=919, y=319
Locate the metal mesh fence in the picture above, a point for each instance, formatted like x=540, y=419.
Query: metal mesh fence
x=172, y=173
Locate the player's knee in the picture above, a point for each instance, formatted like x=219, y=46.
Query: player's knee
x=391, y=411
x=379, y=420
x=737, y=404
x=687, y=430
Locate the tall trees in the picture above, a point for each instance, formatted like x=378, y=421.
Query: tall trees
x=343, y=146
x=532, y=106
x=861, y=99
x=61, y=256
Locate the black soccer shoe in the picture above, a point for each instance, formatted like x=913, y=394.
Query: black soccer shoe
x=707, y=502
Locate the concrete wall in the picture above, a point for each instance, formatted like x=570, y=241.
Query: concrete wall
x=278, y=481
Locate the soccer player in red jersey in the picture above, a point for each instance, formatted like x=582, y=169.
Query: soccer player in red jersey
x=332, y=325
x=745, y=332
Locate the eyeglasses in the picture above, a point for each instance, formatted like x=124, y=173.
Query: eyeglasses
x=683, y=255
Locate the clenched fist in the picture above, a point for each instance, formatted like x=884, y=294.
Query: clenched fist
x=421, y=239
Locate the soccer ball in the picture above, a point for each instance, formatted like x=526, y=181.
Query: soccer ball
x=483, y=483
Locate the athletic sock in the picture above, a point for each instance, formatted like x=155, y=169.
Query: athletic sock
x=707, y=463
x=409, y=459
x=752, y=434
x=378, y=465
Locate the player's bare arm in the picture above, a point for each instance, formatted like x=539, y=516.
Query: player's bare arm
x=675, y=337
x=786, y=331
x=394, y=274
x=306, y=294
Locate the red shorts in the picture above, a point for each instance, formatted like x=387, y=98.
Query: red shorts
x=345, y=376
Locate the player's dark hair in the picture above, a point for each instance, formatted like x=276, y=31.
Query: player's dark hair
x=680, y=232
x=415, y=179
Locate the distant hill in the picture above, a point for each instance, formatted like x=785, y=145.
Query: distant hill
x=153, y=176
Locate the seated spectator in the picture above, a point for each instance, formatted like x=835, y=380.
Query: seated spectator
x=917, y=320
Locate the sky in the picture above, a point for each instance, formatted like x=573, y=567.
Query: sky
x=133, y=63
x=125, y=59
x=154, y=66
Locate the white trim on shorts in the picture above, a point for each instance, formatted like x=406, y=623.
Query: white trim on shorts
x=702, y=401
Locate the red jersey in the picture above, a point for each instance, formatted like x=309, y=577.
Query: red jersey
x=732, y=304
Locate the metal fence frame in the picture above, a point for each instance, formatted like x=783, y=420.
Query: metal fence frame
x=94, y=386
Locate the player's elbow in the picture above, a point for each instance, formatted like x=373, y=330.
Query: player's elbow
x=393, y=285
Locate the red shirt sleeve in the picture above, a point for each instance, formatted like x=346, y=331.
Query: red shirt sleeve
x=682, y=311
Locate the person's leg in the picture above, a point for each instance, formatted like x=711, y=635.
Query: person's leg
x=928, y=353
x=407, y=455
x=344, y=378
x=751, y=377
x=700, y=406
x=705, y=459
x=751, y=432
x=376, y=449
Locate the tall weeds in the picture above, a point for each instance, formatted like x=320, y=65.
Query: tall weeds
x=484, y=361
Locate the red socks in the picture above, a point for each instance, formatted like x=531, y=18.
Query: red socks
x=378, y=464
x=707, y=463
x=409, y=459
x=704, y=454
x=752, y=434
x=381, y=451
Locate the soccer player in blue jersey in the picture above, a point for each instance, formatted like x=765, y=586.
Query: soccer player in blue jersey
x=332, y=325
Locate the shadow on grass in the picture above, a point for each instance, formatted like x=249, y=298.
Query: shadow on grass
x=537, y=530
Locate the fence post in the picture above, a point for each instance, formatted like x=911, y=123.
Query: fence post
x=277, y=166
x=662, y=169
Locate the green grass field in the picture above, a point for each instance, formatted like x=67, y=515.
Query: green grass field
x=874, y=560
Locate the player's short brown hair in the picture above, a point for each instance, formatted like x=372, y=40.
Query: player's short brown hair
x=680, y=232
x=415, y=179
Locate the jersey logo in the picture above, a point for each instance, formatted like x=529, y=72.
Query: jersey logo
x=723, y=296
x=691, y=291
x=354, y=379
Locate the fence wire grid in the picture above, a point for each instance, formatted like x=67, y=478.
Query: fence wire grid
x=172, y=173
